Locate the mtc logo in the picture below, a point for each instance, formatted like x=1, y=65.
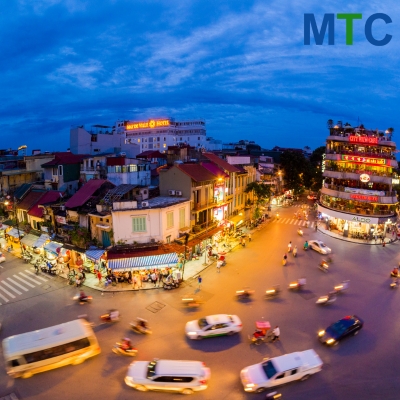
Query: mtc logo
x=329, y=23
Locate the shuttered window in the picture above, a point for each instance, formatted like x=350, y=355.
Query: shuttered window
x=170, y=220
x=181, y=218
x=139, y=224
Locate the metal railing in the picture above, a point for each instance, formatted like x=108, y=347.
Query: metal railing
x=357, y=210
x=361, y=171
x=361, y=154
x=342, y=189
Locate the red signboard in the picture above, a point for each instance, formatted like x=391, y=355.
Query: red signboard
x=362, y=197
x=363, y=139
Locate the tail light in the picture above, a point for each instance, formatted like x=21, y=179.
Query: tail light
x=203, y=364
x=240, y=325
x=202, y=381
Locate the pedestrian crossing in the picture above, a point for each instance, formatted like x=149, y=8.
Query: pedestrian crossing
x=18, y=284
x=293, y=221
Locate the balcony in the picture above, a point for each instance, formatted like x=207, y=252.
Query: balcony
x=358, y=210
x=362, y=154
x=198, y=228
x=354, y=174
x=339, y=191
x=204, y=205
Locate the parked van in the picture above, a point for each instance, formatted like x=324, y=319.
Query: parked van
x=280, y=370
x=168, y=375
x=38, y=351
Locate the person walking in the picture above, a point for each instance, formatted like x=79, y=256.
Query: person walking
x=219, y=266
x=249, y=237
x=153, y=278
x=316, y=226
x=160, y=279
x=199, y=281
x=99, y=276
x=276, y=332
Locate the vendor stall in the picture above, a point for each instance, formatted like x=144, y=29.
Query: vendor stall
x=28, y=241
x=51, y=248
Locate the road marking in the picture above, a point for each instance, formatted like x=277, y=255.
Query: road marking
x=38, y=277
x=291, y=222
x=6, y=291
x=23, y=281
x=30, y=279
x=17, y=284
x=4, y=298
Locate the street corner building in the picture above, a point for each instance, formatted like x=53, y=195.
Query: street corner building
x=359, y=168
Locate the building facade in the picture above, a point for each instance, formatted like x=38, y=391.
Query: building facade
x=357, y=199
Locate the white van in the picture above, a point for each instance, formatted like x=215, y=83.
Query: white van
x=168, y=375
x=280, y=370
x=38, y=351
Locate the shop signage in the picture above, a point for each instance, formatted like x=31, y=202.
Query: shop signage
x=152, y=123
x=365, y=160
x=327, y=212
x=364, y=191
x=362, y=220
x=364, y=178
x=362, y=197
x=363, y=139
x=61, y=220
x=395, y=181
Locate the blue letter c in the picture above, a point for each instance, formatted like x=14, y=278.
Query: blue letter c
x=368, y=29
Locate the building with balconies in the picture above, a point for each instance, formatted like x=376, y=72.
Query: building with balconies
x=357, y=199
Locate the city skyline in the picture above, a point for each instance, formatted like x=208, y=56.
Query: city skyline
x=241, y=66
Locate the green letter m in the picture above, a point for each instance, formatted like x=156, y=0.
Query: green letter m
x=309, y=22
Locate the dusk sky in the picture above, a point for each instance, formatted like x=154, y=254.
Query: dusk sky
x=240, y=65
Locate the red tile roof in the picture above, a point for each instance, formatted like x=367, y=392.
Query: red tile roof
x=220, y=162
x=49, y=197
x=84, y=193
x=197, y=172
x=63, y=158
x=214, y=169
x=30, y=200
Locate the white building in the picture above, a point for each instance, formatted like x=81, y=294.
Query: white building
x=159, y=219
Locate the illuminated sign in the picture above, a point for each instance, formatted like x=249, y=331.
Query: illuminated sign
x=395, y=181
x=363, y=139
x=366, y=220
x=364, y=178
x=323, y=164
x=365, y=160
x=362, y=197
x=152, y=123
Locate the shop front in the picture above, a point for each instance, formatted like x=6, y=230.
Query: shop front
x=40, y=242
x=355, y=226
x=14, y=235
x=29, y=241
x=96, y=258
x=52, y=250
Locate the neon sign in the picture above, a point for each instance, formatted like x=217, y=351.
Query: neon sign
x=364, y=178
x=365, y=160
x=152, y=123
x=363, y=139
x=362, y=197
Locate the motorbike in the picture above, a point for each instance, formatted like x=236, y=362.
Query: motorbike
x=296, y=285
x=305, y=248
x=394, y=284
x=109, y=317
x=48, y=267
x=294, y=252
x=244, y=294
x=37, y=269
x=191, y=302
x=284, y=261
x=342, y=287
x=323, y=266
x=86, y=299
x=273, y=292
x=117, y=349
x=300, y=232
x=27, y=257
x=169, y=284
x=262, y=334
x=141, y=326
x=328, y=299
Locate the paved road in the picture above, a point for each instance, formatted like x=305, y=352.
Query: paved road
x=365, y=366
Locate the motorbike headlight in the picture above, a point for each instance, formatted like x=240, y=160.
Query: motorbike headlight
x=330, y=341
x=321, y=333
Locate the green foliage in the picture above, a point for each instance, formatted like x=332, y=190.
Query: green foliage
x=80, y=236
x=261, y=191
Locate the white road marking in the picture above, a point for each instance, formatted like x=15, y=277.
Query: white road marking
x=6, y=291
x=4, y=298
x=31, y=279
x=23, y=281
x=17, y=284
x=38, y=277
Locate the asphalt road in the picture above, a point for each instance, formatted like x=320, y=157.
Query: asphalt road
x=364, y=367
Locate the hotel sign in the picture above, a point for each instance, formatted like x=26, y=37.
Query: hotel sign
x=362, y=197
x=152, y=123
x=365, y=160
x=363, y=139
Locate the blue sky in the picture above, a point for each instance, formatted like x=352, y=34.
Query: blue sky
x=240, y=65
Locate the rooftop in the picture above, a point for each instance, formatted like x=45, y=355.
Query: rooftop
x=197, y=172
x=49, y=197
x=84, y=193
x=220, y=162
x=30, y=199
x=64, y=158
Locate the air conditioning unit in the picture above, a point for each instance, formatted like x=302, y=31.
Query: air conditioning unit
x=145, y=203
x=178, y=193
x=171, y=192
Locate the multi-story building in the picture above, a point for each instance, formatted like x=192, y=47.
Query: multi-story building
x=357, y=199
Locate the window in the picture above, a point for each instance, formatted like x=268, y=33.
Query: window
x=182, y=221
x=107, y=220
x=280, y=376
x=293, y=371
x=168, y=238
x=170, y=220
x=60, y=170
x=139, y=224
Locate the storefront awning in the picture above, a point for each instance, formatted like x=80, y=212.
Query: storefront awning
x=148, y=262
x=41, y=240
x=14, y=232
x=52, y=247
x=29, y=240
x=3, y=227
x=94, y=254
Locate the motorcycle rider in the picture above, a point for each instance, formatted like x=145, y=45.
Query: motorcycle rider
x=126, y=344
x=289, y=247
x=258, y=333
x=323, y=264
x=295, y=251
x=306, y=245
x=395, y=272
x=302, y=281
x=82, y=296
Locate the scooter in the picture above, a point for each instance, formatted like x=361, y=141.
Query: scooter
x=117, y=349
x=27, y=257
x=273, y=292
x=139, y=328
x=109, y=318
x=328, y=299
x=191, y=302
x=323, y=266
x=244, y=294
x=342, y=287
x=37, y=269
x=294, y=252
x=86, y=299
x=394, y=284
x=295, y=286
x=300, y=232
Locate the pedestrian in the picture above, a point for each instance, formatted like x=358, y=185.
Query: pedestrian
x=375, y=237
x=316, y=226
x=249, y=237
x=135, y=281
x=276, y=332
x=289, y=247
x=153, y=278
x=199, y=280
x=99, y=276
x=219, y=266
x=160, y=279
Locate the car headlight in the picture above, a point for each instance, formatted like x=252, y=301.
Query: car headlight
x=250, y=385
x=330, y=341
x=192, y=333
x=321, y=333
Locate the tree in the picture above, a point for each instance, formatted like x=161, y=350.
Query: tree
x=294, y=165
x=260, y=191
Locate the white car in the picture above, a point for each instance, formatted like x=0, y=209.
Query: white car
x=319, y=246
x=2, y=258
x=213, y=325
